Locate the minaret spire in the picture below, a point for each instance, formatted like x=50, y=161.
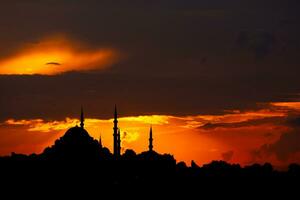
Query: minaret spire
x=150, y=140
x=115, y=135
x=119, y=142
x=100, y=142
x=81, y=118
x=116, y=113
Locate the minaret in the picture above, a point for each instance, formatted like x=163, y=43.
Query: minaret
x=100, y=142
x=150, y=140
x=119, y=142
x=81, y=118
x=115, y=135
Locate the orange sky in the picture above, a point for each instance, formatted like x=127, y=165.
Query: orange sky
x=201, y=138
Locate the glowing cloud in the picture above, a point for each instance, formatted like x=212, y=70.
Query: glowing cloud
x=42, y=125
x=287, y=105
x=151, y=119
x=56, y=55
x=129, y=136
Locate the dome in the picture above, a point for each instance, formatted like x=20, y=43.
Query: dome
x=77, y=136
x=76, y=131
x=75, y=144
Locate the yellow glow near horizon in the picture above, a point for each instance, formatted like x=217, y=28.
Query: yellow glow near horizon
x=185, y=122
x=56, y=55
x=151, y=119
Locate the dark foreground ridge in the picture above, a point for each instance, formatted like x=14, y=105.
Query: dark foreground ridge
x=79, y=161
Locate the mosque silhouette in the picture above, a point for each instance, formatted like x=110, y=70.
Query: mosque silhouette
x=77, y=144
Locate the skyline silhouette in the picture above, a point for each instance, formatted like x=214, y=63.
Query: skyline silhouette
x=77, y=158
x=76, y=144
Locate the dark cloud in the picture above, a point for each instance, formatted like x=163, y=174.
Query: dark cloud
x=53, y=63
x=287, y=146
x=227, y=156
x=261, y=43
x=61, y=95
x=252, y=122
x=181, y=56
x=269, y=135
x=293, y=121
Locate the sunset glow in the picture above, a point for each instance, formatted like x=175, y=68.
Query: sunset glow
x=215, y=80
x=150, y=95
x=56, y=55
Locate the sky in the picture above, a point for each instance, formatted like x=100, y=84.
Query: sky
x=217, y=79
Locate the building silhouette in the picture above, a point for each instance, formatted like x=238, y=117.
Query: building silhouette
x=119, y=142
x=81, y=118
x=77, y=144
x=100, y=142
x=150, y=140
x=116, y=135
x=83, y=158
